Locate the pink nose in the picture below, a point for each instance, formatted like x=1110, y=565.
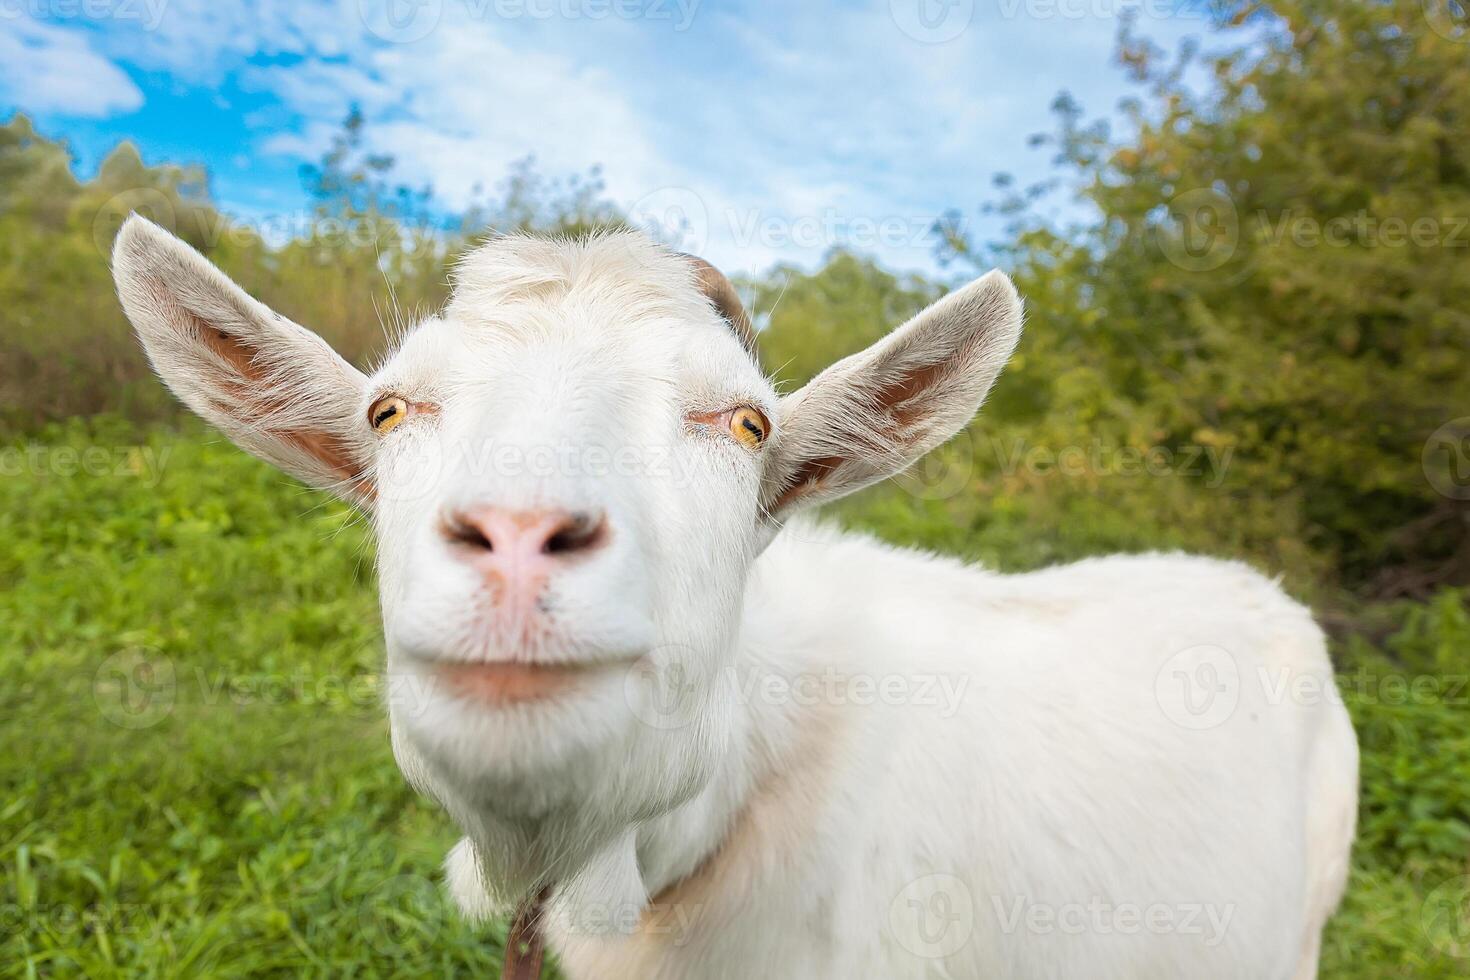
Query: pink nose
x=518, y=550
x=526, y=536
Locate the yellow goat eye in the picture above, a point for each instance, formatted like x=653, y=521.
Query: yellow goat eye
x=387, y=412
x=749, y=427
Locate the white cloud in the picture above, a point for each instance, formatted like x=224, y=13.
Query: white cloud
x=785, y=128
x=202, y=41
x=460, y=106
x=54, y=69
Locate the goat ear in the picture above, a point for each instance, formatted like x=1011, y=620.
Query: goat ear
x=871, y=415
x=276, y=389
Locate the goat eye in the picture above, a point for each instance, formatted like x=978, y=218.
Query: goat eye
x=387, y=412
x=749, y=427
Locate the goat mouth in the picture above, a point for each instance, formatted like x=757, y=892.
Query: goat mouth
x=516, y=682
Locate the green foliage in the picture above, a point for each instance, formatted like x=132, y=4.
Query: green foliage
x=368, y=255
x=196, y=778
x=1277, y=268
x=812, y=320
x=1410, y=701
x=1062, y=463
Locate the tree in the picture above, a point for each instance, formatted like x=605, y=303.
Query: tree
x=1278, y=267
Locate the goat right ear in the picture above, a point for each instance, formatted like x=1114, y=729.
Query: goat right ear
x=871, y=415
x=275, y=388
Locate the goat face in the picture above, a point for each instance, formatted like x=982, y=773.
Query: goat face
x=568, y=496
x=570, y=472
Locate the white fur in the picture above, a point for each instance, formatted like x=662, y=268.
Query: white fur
x=808, y=754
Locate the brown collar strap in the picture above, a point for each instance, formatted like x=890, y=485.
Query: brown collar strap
x=523, y=946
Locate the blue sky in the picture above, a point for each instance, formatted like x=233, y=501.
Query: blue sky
x=770, y=130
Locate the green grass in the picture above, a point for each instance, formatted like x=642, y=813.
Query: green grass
x=197, y=779
x=196, y=773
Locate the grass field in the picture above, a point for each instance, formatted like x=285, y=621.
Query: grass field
x=196, y=773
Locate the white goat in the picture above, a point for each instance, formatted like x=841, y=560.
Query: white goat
x=717, y=743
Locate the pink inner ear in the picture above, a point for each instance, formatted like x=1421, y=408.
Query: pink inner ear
x=809, y=476
x=898, y=398
x=331, y=451
x=899, y=402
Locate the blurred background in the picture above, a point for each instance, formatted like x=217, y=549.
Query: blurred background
x=1243, y=234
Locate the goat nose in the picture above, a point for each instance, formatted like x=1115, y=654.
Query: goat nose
x=524, y=534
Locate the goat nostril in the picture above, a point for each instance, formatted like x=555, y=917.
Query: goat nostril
x=465, y=533
x=580, y=532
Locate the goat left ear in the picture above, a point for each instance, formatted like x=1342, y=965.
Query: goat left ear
x=275, y=388
x=873, y=414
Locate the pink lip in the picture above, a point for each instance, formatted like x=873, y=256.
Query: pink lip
x=506, y=683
